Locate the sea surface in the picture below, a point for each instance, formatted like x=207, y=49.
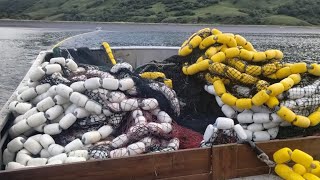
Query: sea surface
x=21, y=41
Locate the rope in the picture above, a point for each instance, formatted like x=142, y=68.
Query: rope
x=262, y=156
x=108, y=50
x=71, y=37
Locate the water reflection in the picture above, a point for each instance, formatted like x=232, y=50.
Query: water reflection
x=18, y=49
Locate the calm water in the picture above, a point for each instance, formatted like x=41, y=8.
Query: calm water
x=20, y=42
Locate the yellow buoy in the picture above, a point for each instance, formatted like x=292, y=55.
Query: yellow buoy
x=186, y=50
x=314, y=118
x=244, y=103
x=287, y=83
x=299, y=169
x=152, y=75
x=229, y=34
x=272, y=102
x=295, y=176
x=191, y=70
x=228, y=99
x=283, y=171
x=296, y=78
x=315, y=168
x=219, y=87
x=283, y=72
x=270, y=54
x=232, y=43
x=216, y=31
x=205, y=32
x=195, y=41
x=232, y=52
x=211, y=51
x=223, y=48
x=315, y=69
x=259, y=56
x=279, y=54
x=222, y=38
x=298, y=68
x=301, y=157
x=260, y=98
x=208, y=41
x=241, y=41
x=275, y=89
x=246, y=55
x=168, y=82
x=219, y=57
x=301, y=121
x=309, y=176
x=248, y=46
x=272, y=76
x=198, y=67
x=283, y=155
x=203, y=65
x=286, y=114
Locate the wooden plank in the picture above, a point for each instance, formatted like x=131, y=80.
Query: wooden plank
x=224, y=161
x=150, y=166
x=252, y=171
x=185, y=162
x=205, y=176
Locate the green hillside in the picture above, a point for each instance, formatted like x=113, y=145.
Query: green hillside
x=275, y=12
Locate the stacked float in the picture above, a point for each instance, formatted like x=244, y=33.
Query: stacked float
x=305, y=167
x=254, y=88
x=112, y=115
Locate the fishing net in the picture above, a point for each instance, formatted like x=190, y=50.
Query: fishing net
x=111, y=110
x=255, y=88
x=198, y=108
x=188, y=138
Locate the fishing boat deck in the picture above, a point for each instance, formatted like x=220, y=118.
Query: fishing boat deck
x=219, y=162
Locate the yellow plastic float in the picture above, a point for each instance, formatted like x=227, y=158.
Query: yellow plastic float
x=156, y=75
x=305, y=167
x=233, y=58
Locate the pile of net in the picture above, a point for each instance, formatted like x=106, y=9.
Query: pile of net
x=73, y=112
x=260, y=96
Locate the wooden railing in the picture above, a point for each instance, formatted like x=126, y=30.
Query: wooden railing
x=218, y=162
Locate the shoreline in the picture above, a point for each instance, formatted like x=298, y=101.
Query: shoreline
x=141, y=23
x=135, y=27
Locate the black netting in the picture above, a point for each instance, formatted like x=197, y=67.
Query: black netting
x=145, y=91
x=198, y=108
x=84, y=55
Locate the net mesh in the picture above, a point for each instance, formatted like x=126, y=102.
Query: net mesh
x=187, y=137
x=198, y=108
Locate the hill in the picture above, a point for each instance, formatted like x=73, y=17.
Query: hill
x=271, y=12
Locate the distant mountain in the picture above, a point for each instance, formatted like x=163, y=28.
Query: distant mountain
x=272, y=12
